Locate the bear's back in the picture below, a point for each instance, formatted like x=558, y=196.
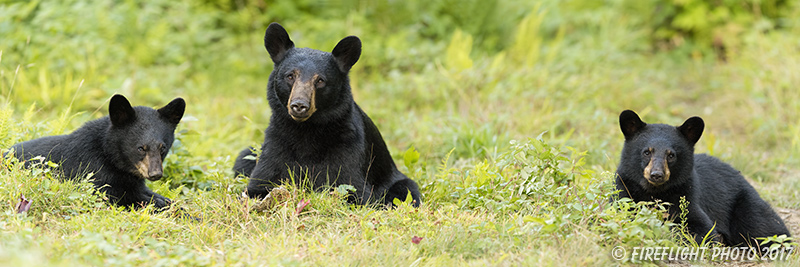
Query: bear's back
x=76, y=154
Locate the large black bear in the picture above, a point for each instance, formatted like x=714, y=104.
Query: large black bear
x=122, y=150
x=317, y=130
x=658, y=162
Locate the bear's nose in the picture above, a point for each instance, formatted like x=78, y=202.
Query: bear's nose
x=155, y=175
x=299, y=107
x=656, y=176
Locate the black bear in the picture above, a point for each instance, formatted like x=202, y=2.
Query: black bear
x=658, y=162
x=121, y=150
x=317, y=130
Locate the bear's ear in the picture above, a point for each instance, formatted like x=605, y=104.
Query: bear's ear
x=347, y=52
x=173, y=112
x=630, y=123
x=277, y=42
x=692, y=129
x=120, y=111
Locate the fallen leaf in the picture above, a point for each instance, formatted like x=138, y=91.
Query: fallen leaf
x=301, y=205
x=416, y=239
x=23, y=205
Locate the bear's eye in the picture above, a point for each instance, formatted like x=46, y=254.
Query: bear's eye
x=141, y=149
x=671, y=155
x=320, y=83
x=646, y=153
x=290, y=77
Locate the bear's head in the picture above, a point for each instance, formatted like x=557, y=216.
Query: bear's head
x=308, y=82
x=140, y=137
x=658, y=152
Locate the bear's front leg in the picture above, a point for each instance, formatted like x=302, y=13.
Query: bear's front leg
x=146, y=197
x=266, y=174
x=159, y=202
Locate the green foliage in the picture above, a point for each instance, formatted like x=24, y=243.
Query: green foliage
x=527, y=39
x=529, y=170
x=706, y=24
x=410, y=157
x=784, y=242
x=545, y=165
x=635, y=224
x=181, y=168
x=683, y=230
x=51, y=197
x=458, y=51
x=537, y=182
x=450, y=84
x=6, y=128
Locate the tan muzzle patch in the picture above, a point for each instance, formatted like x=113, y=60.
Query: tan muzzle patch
x=143, y=167
x=150, y=168
x=302, y=100
x=651, y=166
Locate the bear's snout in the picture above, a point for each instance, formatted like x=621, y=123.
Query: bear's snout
x=299, y=108
x=150, y=167
x=657, y=171
x=301, y=101
x=154, y=170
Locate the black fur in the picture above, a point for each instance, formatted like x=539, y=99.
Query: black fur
x=338, y=144
x=111, y=147
x=717, y=193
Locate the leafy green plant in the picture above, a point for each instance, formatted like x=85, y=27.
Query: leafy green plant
x=683, y=228
x=707, y=24
x=542, y=164
x=779, y=242
x=648, y=222
x=181, y=169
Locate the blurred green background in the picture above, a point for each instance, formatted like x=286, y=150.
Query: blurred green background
x=469, y=75
x=436, y=75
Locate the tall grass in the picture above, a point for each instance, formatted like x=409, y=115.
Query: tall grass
x=510, y=108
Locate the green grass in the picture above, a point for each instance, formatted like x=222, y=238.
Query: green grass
x=470, y=96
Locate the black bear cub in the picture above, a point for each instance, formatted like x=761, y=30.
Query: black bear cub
x=317, y=130
x=121, y=150
x=658, y=162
